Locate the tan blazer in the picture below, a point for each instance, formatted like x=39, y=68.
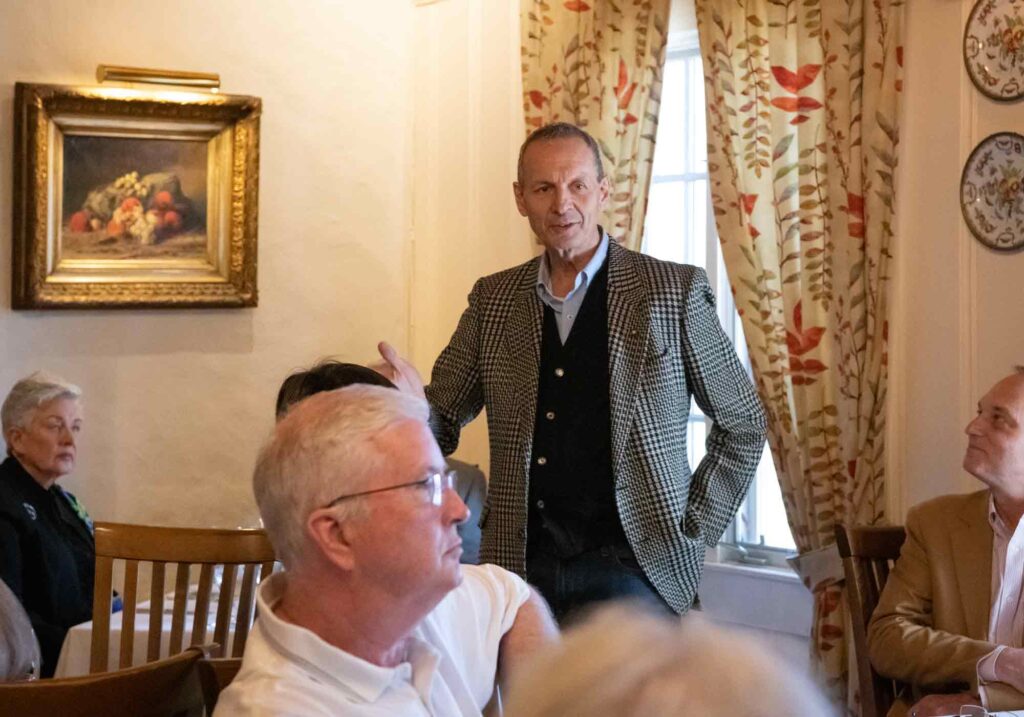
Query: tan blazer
x=931, y=624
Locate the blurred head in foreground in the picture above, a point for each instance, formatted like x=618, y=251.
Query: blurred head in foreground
x=626, y=662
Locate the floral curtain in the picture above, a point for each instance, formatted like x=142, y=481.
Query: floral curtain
x=598, y=64
x=803, y=106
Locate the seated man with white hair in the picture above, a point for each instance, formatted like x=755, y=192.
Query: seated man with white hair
x=373, y=614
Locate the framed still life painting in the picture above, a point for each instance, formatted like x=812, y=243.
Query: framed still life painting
x=134, y=198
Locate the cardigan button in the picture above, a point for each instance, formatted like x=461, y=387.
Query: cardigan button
x=542, y=461
x=559, y=372
x=550, y=415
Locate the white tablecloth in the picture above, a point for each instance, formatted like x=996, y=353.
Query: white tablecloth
x=74, y=653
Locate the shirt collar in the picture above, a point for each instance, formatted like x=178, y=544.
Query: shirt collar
x=583, y=278
x=999, y=526
x=364, y=680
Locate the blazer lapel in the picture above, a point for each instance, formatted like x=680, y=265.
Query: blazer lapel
x=522, y=341
x=629, y=320
x=971, y=540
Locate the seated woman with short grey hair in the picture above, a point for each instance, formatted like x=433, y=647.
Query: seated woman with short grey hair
x=47, y=552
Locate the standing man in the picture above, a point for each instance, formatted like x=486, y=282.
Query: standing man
x=586, y=358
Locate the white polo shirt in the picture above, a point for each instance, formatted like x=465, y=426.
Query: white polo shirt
x=452, y=659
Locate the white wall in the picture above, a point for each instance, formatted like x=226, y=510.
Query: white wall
x=178, y=401
x=959, y=320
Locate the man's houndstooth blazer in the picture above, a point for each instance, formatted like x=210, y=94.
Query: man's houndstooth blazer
x=665, y=345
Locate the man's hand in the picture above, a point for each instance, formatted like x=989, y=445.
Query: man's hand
x=936, y=705
x=399, y=371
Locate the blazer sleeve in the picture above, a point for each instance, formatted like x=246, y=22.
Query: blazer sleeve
x=455, y=393
x=719, y=385
x=902, y=642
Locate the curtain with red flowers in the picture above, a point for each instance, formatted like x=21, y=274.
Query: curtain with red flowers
x=598, y=64
x=802, y=107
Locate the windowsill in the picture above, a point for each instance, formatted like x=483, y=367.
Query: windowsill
x=761, y=572
x=756, y=596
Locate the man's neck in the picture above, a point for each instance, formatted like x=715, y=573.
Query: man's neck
x=361, y=625
x=564, y=267
x=1010, y=509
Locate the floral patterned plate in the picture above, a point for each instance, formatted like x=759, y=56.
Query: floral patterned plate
x=992, y=191
x=994, y=48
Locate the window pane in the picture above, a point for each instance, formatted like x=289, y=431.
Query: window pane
x=682, y=140
x=677, y=211
x=771, y=524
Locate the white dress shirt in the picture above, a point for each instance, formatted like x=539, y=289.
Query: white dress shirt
x=1006, y=617
x=449, y=671
x=567, y=308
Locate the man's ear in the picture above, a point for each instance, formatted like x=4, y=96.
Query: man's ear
x=332, y=537
x=605, y=189
x=13, y=438
x=517, y=190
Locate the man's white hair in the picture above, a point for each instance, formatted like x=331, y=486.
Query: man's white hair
x=323, y=448
x=625, y=662
x=30, y=393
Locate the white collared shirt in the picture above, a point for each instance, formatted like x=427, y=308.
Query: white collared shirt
x=1006, y=616
x=450, y=667
x=567, y=308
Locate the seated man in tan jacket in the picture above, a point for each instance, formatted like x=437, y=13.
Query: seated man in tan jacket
x=950, y=620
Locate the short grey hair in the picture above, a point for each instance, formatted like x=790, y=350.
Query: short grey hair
x=324, y=446
x=625, y=662
x=30, y=393
x=561, y=130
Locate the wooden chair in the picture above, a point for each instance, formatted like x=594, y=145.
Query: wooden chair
x=868, y=554
x=214, y=675
x=185, y=547
x=166, y=688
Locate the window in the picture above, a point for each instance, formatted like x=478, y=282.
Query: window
x=680, y=227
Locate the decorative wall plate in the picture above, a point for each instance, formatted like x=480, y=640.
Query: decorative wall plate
x=994, y=48
x=992, y=191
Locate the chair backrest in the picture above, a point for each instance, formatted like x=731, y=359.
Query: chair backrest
x=165, y=688
x=248, y=550
x=868, y=554
x=216, y=673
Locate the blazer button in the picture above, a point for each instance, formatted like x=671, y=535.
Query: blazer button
x=550, y=415
x=559, y=372
x=542, y=461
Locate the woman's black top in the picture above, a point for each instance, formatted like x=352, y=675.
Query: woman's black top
x=47, y=556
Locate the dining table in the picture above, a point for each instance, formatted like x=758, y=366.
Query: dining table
x=75, y=653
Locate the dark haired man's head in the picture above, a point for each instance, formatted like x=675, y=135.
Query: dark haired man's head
x=560, y=130
x=325, y=376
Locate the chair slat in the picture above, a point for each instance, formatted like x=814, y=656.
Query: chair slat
x=244, y=616
x=156, y=611
x=131, y=584
x=102, y=590
x=174, y=644
x=202, y=612
x=224, y=604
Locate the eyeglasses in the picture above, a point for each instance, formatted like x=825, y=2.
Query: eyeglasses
x=436, y=483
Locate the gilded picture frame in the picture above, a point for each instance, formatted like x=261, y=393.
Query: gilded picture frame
x=134, y=198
